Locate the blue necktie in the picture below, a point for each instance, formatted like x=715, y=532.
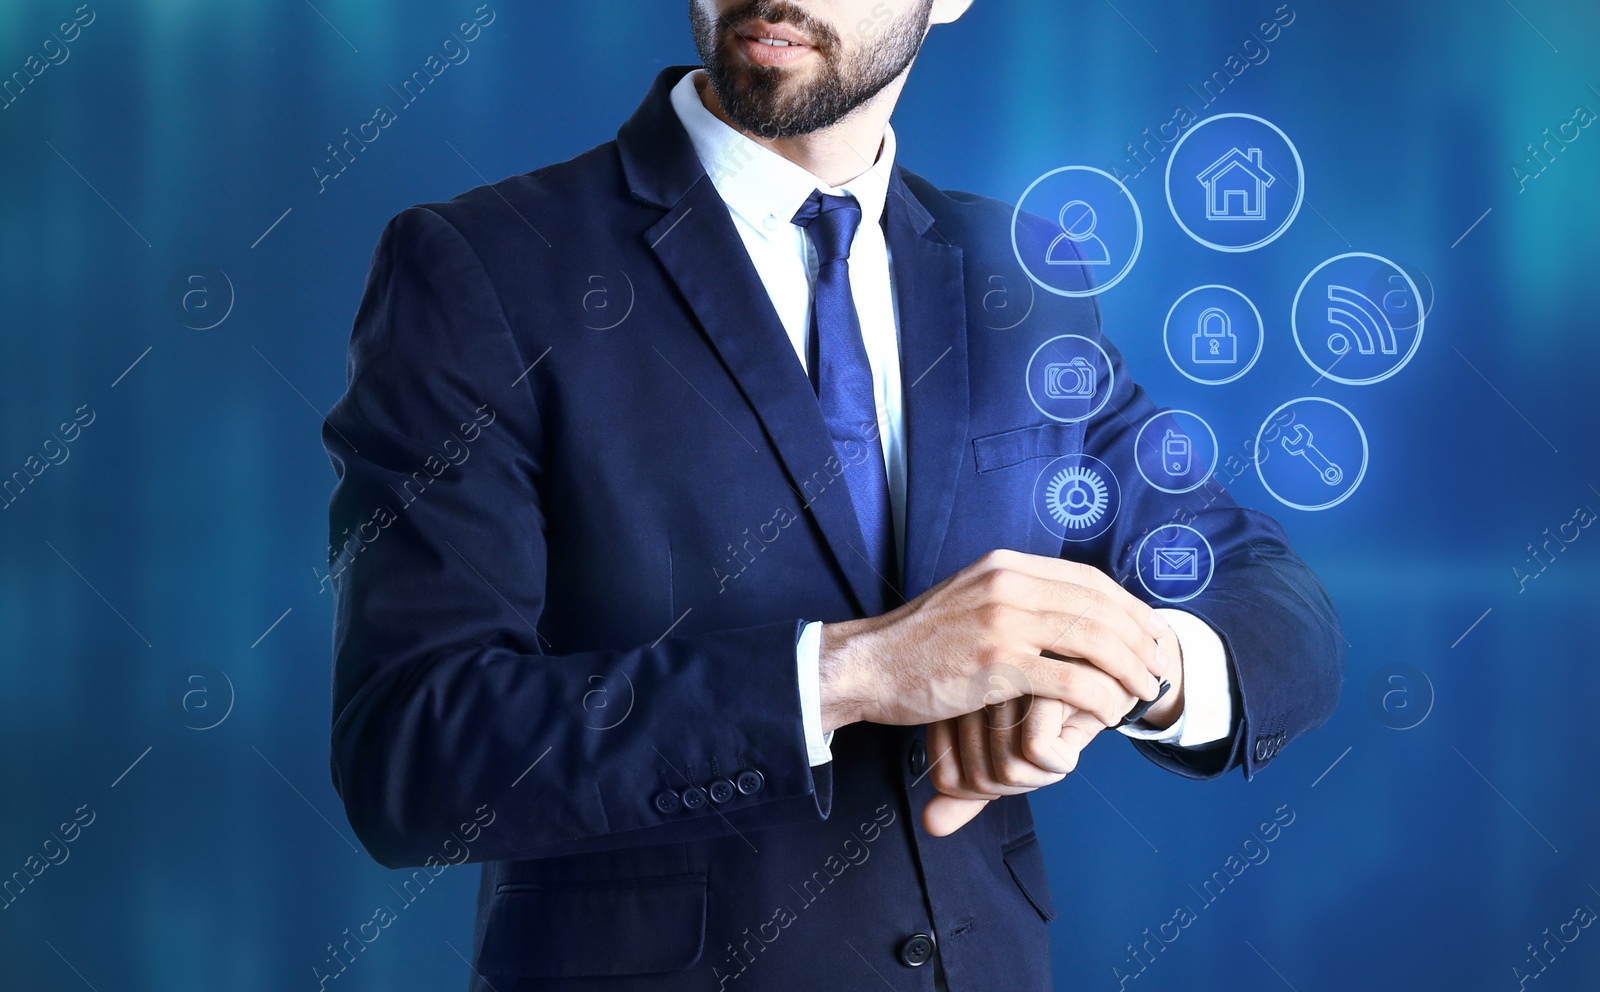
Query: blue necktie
x=843, y=378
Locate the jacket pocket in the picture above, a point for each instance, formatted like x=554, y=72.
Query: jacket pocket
x=590, y=929
x=1025, y=860
x=996, y=451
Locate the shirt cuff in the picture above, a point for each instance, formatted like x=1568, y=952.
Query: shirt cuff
x=808, y=664
x=1207, y=715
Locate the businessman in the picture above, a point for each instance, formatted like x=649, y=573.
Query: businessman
x=687, y=567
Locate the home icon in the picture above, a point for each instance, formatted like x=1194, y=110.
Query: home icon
x=1236, y=186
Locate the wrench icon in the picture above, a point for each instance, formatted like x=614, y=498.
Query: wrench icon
x=1298, y=442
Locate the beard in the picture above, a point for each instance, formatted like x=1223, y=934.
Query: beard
x=768, y=101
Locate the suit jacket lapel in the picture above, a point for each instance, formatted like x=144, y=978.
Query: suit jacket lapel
x=701, y=251
x=933, y=366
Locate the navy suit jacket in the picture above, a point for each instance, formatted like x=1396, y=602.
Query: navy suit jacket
x=586, y=500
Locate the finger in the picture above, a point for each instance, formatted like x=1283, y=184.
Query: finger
x=1083, y=721
x=1009, y=767
x=972, y=744
x=1003, y=721
x=1073, y=621
x=1082, y=574
x=1039, y=736
x=1080, y=685
x=1076, y=734
x=945, y=815
x=1093, y=625
x=949, y=772
x=944, y=761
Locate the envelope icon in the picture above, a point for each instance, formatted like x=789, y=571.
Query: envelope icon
x=1177, y=563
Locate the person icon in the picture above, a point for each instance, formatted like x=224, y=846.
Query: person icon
x=1077, y=220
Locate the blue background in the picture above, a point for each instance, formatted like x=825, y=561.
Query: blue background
x=190, y=514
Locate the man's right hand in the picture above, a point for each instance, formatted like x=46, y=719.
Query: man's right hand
x=998, y=629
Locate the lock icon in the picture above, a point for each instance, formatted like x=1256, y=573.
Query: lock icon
x=1214, y=343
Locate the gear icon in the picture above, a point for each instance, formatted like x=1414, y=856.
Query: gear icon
x=1077, y=497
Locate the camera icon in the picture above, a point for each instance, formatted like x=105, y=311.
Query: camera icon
x=1074, y=380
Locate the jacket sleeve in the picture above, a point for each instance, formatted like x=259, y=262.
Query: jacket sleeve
x=456, y=736
x=1279, y=628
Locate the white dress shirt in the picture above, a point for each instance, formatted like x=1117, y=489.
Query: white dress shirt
x=763, y=191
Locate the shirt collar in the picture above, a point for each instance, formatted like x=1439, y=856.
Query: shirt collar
x=756, y=182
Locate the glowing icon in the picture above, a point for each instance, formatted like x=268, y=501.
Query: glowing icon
x=1175, y=451
x=1364, y=322
x=1363, y=335
x=1069, y=378
x=1214, y=343
x=1311, y=453
x=1177, y=564
x=1077, y=220
x=1077, y=497
x=1076, y=231
x=1213, y=334
x=1236, y=186
x=1074, y=380
x=1177, y=454
x=1297, y=441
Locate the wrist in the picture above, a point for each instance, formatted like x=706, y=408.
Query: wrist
x=1169, y=707
x=843, y=660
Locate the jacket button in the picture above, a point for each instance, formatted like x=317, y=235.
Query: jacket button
x=1263, y=750
x=667, y=801
x=694, y=797
x=721, y=791
x=749, y=782
x=919, y=758
x=915, y=950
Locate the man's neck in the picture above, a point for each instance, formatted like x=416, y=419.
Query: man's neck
x=835, y=154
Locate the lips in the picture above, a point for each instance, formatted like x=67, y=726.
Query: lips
x=780, y=34
x=772, y=44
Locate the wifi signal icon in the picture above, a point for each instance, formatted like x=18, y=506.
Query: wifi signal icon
x=1362, y=321
x=1345, y=334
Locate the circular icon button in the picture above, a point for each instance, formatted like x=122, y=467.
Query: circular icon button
x=1213, y=334
x=1069, y=378
x=1176, y=451
x=1175, y=563
x=1076, y=231
x=1076, y=497
x=1346, y=334
x=1235, y=182
x=1311, y=453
